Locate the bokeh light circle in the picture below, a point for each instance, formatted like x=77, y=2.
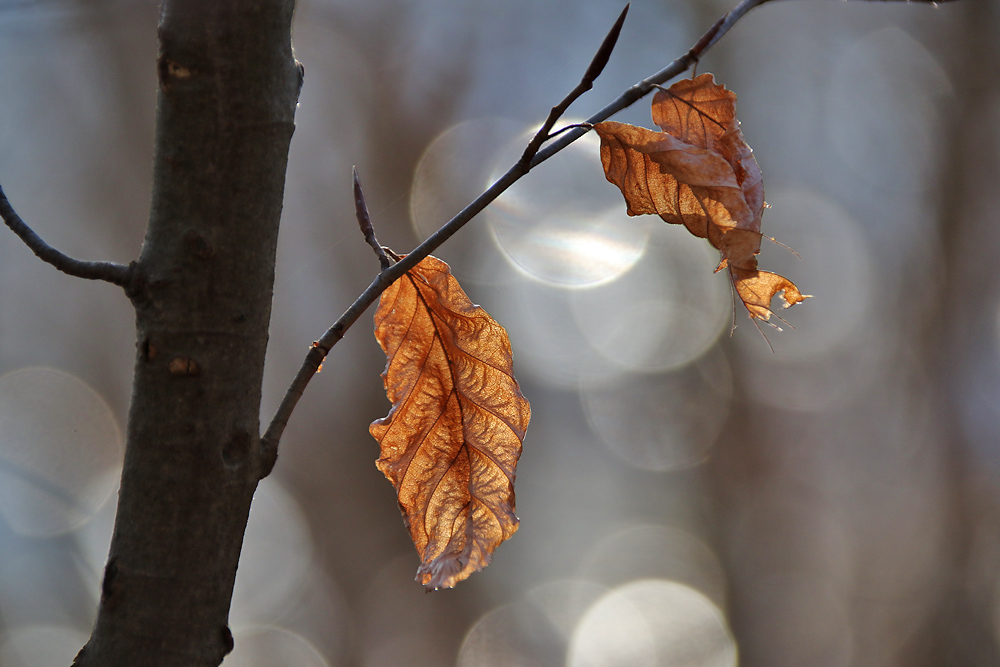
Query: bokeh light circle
x=652, y=622
x=565, y=601
x=513, y=634
x=565, y=225
x=647, y=551
x=888, y=74
x=665, y=312
x=276, y=557
x=662, y=421
x=662, y=314
x=549, y=346
x=60, y=451
x=839, y=343
x=453, y=169
x=93, y=540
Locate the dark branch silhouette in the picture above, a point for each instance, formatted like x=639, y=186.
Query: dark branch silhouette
x=118, y=274
x=365, y=222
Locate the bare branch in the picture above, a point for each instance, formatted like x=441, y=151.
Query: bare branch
x=319, y=350
x=118, y=274
x=365, y=222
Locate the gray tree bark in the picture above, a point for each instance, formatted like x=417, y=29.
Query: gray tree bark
x=228, y=86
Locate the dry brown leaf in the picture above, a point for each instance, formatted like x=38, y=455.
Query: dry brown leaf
x=698, y=172
x=451, y=441
x=757, y=288
x=697, y=111
x=683, y=184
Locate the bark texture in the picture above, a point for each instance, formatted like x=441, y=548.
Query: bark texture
x=228, y=86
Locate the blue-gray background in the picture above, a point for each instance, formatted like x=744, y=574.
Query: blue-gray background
x=686, y=497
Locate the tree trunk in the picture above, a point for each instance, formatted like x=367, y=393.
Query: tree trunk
x=202, y=294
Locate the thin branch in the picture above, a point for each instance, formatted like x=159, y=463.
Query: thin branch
x=365, y=222
x=118, y=274
x=597, y=66
x=643, y=88
x=322, y=347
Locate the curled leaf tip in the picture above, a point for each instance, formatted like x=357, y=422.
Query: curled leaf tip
x=757, y=288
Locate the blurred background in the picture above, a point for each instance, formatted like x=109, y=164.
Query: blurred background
x=687, y=497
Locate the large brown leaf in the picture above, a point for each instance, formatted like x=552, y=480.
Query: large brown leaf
x=699, y=172
x=451, y=441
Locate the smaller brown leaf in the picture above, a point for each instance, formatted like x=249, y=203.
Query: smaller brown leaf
x=451, y=441
x=698, y=172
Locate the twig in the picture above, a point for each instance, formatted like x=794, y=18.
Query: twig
x=643, y=88
x=117, y=274
x=322, y=347
x=365, y=222
x=597, y=66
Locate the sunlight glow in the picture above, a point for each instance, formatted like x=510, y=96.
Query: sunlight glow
x=563, y=226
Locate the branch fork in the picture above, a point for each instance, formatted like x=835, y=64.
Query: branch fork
x=543, y=145
x=597, y=65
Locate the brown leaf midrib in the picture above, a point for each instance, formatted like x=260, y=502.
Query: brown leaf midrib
x=455, y=390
